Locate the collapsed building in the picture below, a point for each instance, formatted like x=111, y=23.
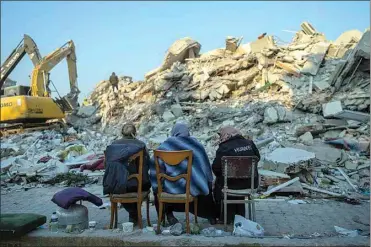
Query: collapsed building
x=309, y=99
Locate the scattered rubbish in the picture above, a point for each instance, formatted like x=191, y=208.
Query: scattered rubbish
x=54, y=222
x=346, y=232
x=316, y=235
x=166, y=232
x=176, y=230
x=347, y=179
x=195, y=229
x=213, y=232
x=247, y=228
x=127, y=227
x=268, y=192
x=352, y=201
x=92, y=225
x=104, y=205
x=297, y=202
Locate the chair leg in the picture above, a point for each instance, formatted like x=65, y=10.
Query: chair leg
x=225, y=215
x=139, y=209
x=195, y=204
x=159, y=216
x=187, y=217
x=221, y=209
x=112, y=215
x=148, y=219
x=116, y=214
x=249, y=207
x=253, y=210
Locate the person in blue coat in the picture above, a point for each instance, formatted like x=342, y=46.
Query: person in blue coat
x=201, y=178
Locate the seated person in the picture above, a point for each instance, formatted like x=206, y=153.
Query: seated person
x=117, y=168
x=201, y=178
x=232, y=143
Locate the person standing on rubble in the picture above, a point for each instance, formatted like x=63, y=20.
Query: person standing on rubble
x=232, y=143
x=115, y=157
x=114, y=80
x=201, y=177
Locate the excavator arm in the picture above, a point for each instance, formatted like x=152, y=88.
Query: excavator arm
x=39, y=84
x=27, y=45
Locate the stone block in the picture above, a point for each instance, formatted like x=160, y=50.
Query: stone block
x=270, y=115
x=331, y=108
x=289, y=160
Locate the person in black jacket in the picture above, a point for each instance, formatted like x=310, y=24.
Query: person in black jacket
x=128, y=137
x=232, y=143
x=114, y=80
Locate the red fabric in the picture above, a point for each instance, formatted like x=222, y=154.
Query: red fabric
x=92, y=166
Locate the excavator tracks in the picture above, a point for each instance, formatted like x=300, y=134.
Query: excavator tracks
x=19, y=128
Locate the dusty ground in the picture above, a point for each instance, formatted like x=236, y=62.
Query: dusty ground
x=311, y=222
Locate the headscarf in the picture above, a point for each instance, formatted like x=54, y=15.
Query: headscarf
x=180, y=130
x=227, y=133
x=128, y=131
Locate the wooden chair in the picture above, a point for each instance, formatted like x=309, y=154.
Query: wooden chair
x=239, y=167
x=173, y=158
x=133, y=197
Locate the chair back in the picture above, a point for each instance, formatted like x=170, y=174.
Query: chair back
x=173, y=158
x=139, y=175
x=238, y=167
x=131, y=161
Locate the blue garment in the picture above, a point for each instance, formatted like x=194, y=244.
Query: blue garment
x=201, y=169
x=115, y=179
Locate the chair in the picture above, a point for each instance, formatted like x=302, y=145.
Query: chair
x=173, y=158
x=238, y=167
x=134, y=197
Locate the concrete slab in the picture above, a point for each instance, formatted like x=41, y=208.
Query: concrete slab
x=289, y=160
x=331, y=108
x=353, y=115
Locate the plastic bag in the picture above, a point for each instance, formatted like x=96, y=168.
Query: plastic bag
x=247, y=228
x=346, y=232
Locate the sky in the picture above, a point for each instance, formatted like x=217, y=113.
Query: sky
x=131, y=38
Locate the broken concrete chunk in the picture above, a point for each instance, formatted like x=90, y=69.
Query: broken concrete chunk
x=308, y=28
x=320, y=85
x=260, y=44
x=284, y=115
x=71, y=131
x=168, y=116
x=349, y=165
x=313, y=63
x=270, y=115
x=289, y=160
x=353, y=115
x=289, y=68
x=86, y=111
x=306, y=139
x=331, y=108
x=177, y=110
x=223, y=90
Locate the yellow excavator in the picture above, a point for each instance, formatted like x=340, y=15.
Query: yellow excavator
x=37, y=106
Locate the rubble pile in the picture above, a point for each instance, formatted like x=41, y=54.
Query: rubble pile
x=310, y=65
x=261, y=88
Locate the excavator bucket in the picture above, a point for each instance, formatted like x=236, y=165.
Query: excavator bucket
x=67, y=103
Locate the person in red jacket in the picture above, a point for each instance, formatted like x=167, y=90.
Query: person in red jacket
x=232, y=143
